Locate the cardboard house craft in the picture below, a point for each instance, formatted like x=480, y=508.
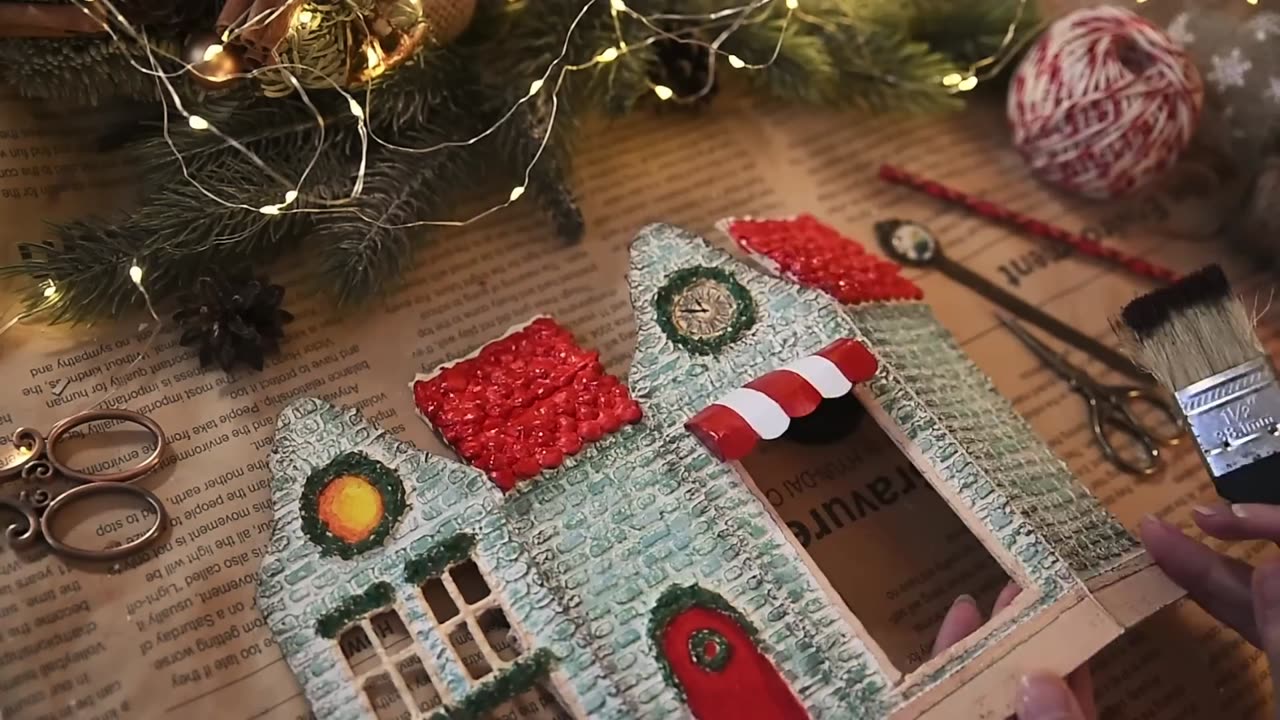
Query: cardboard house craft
x=604, y=554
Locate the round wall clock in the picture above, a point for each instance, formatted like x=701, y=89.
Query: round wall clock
x=702, y=309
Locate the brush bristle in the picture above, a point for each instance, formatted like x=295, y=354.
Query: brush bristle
x=1190, y=330
x=1148, y=313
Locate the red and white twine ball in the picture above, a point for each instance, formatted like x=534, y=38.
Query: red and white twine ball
x=1104, y=102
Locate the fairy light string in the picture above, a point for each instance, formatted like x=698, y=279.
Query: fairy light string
x=723, y=23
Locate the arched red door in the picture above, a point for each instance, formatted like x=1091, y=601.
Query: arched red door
x=723, y=675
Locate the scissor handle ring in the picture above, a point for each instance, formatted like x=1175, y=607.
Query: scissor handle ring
x=33, y=441
x=89, y=416
x=21, y=534
x=95, y=488
x=1119, y=416
x=1157, y=401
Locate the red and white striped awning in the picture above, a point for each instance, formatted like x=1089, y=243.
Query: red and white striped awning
x=762, y=409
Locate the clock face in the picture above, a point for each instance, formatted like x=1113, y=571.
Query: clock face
x=703, y=309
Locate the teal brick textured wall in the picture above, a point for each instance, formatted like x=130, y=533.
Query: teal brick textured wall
x=581, y=553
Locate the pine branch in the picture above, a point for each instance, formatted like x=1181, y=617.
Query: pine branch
x=79, y=70
x=363, y=250
x=846, y=62
x=970, y=32
x=878, y=56
x=177, y=234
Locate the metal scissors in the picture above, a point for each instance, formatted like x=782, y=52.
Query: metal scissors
x=43, y=472
x=1111, y=408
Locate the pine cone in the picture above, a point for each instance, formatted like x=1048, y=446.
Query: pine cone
x=232, y=320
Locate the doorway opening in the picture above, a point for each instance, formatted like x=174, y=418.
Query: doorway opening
x=888, y=544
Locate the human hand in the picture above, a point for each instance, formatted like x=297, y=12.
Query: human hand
x=1241, y=596
x=1041, y=696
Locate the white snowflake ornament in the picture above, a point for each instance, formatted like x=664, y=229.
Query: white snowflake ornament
x=1273, y=90
x=1264, y=25
x=1179, y=31
x=1229, y=70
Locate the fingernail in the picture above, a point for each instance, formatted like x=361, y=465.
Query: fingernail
x=1043, y=697
x=1240, y=510
x=965, y=600
x=1207, y=510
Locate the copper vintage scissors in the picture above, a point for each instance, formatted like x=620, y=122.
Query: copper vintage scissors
x=1112, y=409
x=42, y=471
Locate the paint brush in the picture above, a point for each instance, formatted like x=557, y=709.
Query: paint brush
x=1198, y=340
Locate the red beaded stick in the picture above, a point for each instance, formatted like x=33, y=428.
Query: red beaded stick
x=1039, y=228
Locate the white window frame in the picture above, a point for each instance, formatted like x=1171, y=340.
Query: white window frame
x=469, y=615
x=389, y=664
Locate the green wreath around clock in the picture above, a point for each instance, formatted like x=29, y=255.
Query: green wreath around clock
x=703, y=309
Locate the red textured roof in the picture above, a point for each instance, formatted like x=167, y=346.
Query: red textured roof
x=815, y=255
x=524, y=403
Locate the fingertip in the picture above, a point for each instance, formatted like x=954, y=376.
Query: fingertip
x=1241, y=521
x=1045, y=696
x=962, y=618
x=1006, y=597
x=1157, y=534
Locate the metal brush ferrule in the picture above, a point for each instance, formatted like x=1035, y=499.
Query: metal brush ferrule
x=1233, y=415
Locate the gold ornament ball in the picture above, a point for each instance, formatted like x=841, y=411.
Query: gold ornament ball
x=446, y=19
x=212, y=65
x=392, y=41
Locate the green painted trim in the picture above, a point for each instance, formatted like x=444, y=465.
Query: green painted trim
x=698, y=641
x=743, y=318
x=376, y=596
x=380, y=476
x=519, y=679
x=676, y=600
x=440, y=556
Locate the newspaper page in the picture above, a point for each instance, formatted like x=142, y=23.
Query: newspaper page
x=174, y=632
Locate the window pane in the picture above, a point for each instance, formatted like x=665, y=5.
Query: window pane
x=424, y=693
x=357, y=649
x=540, y=703
x=497, y=631
x=470, y=582
x=442, y=607
x=468, y=651
x=385, y=698
x=390, y=630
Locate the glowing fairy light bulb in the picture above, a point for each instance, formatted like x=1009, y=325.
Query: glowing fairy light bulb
x=793, y=4
x=269, y=209
x=135, y=274
x=967, y=84
x=608, y=55
x=663, y=92
x=197, y=123
x=50, y=290
x=355, y=108
x=952, y=79
x=516, y=192
x=212, y=52
x=304, y=18
x=534, y=87
x=291, y=196
x=736, y=62
x=618, y=5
